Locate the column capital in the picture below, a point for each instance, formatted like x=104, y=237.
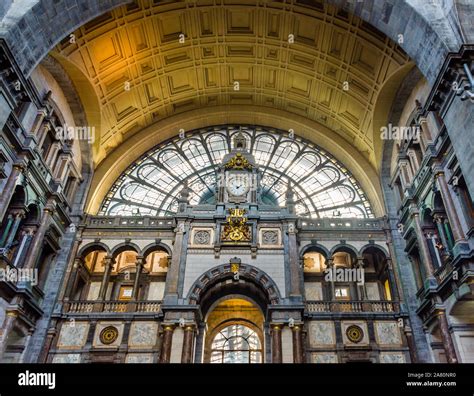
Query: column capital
x=109, y=260
x=18, y=213
x=168, y=326
x=20, y=165
x=140, y=260
x=78, y=261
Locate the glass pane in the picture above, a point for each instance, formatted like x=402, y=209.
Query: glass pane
x=322, y=185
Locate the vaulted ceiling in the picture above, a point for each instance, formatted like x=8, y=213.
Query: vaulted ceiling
x=152, y=59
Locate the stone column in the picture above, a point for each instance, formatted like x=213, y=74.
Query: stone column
x=6, y=232
x=166, y=343
x=9, y=188
x=7, y=327
x=446, y=336
x=295, y=271
x=456, y=227
x=37, y=243
x=411, y=344
x=330, y=267
x=276, y=343
x=108, y=265
x=188, y=342
x=439, y=221
x=136, y=284
x=173, y=272
x=423, y=246
x=64, y=291
x=18, y=216
x=43, y=358
x=201, y=331
x=360, y=267
x=73, y=278
x=392, y=281
x=298, y=354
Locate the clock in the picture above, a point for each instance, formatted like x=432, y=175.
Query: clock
x=238, y=185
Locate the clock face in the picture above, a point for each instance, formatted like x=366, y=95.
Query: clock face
x=238, y=185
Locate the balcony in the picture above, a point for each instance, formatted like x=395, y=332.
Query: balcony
x=382, y=307
x=85, y=307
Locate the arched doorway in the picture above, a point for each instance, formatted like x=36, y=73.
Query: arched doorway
x=234, y=332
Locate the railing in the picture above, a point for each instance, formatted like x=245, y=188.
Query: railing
x=129, y=221
x=84, y=307
x=342, y=224
x=443, y=272
x=352, y=306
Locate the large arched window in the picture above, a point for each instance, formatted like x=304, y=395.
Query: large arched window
x=236, y=344
x=323, y=186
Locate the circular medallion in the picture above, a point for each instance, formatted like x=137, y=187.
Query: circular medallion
x=354, y=334
x=108, y=335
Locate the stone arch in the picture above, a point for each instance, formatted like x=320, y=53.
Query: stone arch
x=344, y=247
x=110, y=169
x=155, y=246
x=90, y=247
x=219, y=275
x=316, y=247
x=121, y=247
x=382, y=249
x=391, y=18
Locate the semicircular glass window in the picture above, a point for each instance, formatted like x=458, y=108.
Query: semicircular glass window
x=323, y=186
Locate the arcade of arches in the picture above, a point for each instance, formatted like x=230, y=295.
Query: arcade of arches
x=215, y=181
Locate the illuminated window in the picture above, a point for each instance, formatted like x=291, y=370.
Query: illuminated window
x=125, y=293
x=322, y=185
x=236, y=344
x=341, y=293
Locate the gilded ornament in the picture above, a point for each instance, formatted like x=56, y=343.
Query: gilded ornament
x=108, y=335
x=238, y=162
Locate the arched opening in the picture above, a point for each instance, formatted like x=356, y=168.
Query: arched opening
x=234, y=332
x=378, y=283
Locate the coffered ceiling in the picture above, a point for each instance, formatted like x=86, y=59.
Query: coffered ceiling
x=141, y=72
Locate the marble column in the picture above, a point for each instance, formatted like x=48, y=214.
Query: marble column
x=6, y=232
x=73, y=278
x=276, y=343
x=173, y=273
x=8, y=323
x=295, y=271
x=456, y=227
x=108, y=265
x=188, y=342
x=423, y=246
x=298, y=354
x=37, y=243
x=64, y=291
x=392, y=281
x=411, y=344
x=136, y=284
x=9, y=188
x=330, y=267
x=18, y=216
x=166, y=343
x=360, y=267
x=43, y=358
x=446, y=336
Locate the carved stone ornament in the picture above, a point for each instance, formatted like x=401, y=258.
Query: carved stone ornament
x=202, y=237
x=108, y=335
x=355, y=334
x=270, y=237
